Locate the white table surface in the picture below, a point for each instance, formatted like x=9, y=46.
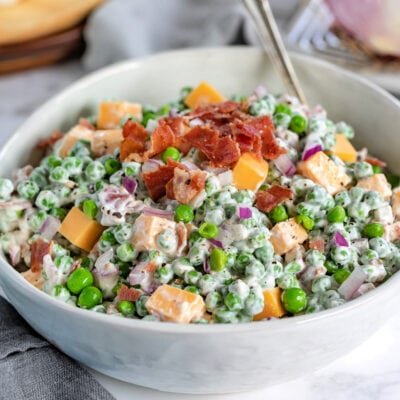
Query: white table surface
x=369, y=372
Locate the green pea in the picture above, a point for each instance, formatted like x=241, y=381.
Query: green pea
x=108, y=237
x=298, y=124
x=89, y=208
x=376, y=169
x=90, y=296
x=233, y=301
x=336, y=214
x=208, y=230
x=283, y=108
x=331, y=266
x=147, y=116
x=218, y=259
x=112, y=165
x=373, y=230
x=126, y=252
x=184, y=213
x=46, y=200
x=192, y=289
x=59, y=175
x=171, y=152
x=86, y=263
x=79, y=279
x=28, y=189
x=341, y=275
x=95, y=171
x=294, y=300
x=278, y=214
x=305, y=221
x=126, y=308
x=59, y=212
x=164, y=110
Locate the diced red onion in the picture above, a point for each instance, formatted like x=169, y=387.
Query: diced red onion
x=196, y=122
x=15, y=255
x=130, y=184
x=50, y=227
x=245, y=212
x=216, y=243
x=156, y=212
x=340, y=240
x=141, y=276
x=352, y=283
x=151, y=165
x=225, y=178
x=310, y=150
x=104, y=259
x=285, y=165
x=173, y=112
x=364, y=288
x=260, y=91
x=206, y=266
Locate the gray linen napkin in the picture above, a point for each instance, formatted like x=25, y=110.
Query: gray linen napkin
x=32, y=369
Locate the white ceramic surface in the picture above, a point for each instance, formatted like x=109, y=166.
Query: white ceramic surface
x=197, y=358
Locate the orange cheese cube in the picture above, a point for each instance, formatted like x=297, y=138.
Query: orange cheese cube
x=249, y=172
x=111, y=112
x=322, y=170
x=203, y=95
x=272, y=305
x=344, y=149
x=80, y=230
x=106, y=141
x=286, y=235
x=175, y=305
x=377, y=182
x=78, y=132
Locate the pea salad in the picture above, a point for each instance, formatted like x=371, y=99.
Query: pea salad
x=203, y=210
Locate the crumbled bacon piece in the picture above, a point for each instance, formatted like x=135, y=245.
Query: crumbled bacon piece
x=134, y=142
x=186, y=185
x=50, y=141
x=162, y=137
x=204, y=138
x=266, y=200
x=376, y=162
x=129, y=294
x=317, y=243
x=225, y=153
x=39, y=249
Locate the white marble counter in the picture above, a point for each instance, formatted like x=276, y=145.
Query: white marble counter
x=369, y=372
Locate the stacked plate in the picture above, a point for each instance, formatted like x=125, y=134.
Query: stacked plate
x=39, y=32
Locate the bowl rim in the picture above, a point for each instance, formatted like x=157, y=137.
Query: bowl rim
x=201, y=329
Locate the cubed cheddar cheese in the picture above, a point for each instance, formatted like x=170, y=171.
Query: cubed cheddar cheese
x=273, y=307
x=249, y=172
x=322, y=170
x=175, y=305
x=286, y=235
x=377, y=182
x=111, y=112
x=106, y=141
x=343, y=149
x=396, y=202
x=80, y=230
x=203, y=95
x=146, y=229
x=78, y=132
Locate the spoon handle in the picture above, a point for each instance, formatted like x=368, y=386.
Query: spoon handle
x=267, y=29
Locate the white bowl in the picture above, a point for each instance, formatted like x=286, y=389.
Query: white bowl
x=216, y=358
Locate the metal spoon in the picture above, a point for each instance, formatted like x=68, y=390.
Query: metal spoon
x=268, y=32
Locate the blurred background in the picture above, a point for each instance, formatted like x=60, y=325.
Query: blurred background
x=47, y=44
